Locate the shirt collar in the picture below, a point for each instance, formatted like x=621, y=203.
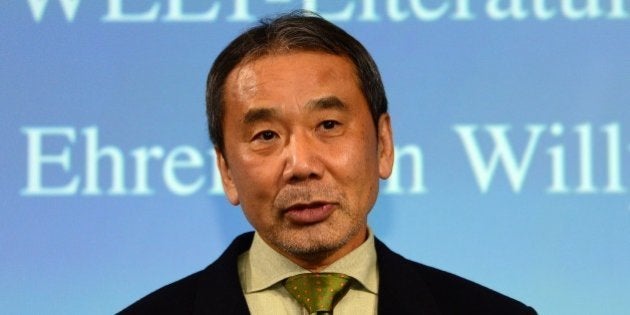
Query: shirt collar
x=266, y=267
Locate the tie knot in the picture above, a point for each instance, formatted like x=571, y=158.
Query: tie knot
x=318, y=292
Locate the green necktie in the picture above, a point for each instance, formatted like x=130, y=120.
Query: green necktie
x=318, y=292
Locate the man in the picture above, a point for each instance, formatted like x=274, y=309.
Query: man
x=298, y=116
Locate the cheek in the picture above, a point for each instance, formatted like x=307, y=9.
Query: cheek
x=255, y=195
x=356, y=161
x=255, y=179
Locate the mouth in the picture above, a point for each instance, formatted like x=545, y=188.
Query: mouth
x=309, y=213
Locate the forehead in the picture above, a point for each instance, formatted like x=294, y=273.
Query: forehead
x=294, y=74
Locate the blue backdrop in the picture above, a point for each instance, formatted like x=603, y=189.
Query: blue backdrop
x=511, y=122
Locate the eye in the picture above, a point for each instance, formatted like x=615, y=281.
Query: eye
x=329, y=124
x=330, y=128
x=266, y=135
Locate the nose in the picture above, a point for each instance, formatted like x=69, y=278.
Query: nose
x=303, y=159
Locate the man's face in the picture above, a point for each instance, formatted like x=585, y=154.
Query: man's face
x=302, y=156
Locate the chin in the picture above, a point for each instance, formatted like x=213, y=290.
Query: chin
x=316, y=241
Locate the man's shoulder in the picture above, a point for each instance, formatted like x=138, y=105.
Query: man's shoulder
x=175, y=298
x=459, y=294
x=447, y=292
x=214, y=288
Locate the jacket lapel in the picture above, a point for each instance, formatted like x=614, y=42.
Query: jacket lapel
x=219, y=289
x=401, y=287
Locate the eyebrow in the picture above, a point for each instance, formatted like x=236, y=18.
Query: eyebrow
x=259, y=114
x=328, y=102
x=264, y=114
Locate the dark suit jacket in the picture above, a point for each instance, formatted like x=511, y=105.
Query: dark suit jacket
x=405, y=287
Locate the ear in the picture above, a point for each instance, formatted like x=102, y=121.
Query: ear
x=226, y=178
x=385, y=146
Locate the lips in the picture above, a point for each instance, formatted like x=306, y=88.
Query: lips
x=311, y=213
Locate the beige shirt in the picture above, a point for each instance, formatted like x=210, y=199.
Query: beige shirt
x=262, y=270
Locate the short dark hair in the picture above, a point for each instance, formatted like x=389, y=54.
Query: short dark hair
x=294, y=31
